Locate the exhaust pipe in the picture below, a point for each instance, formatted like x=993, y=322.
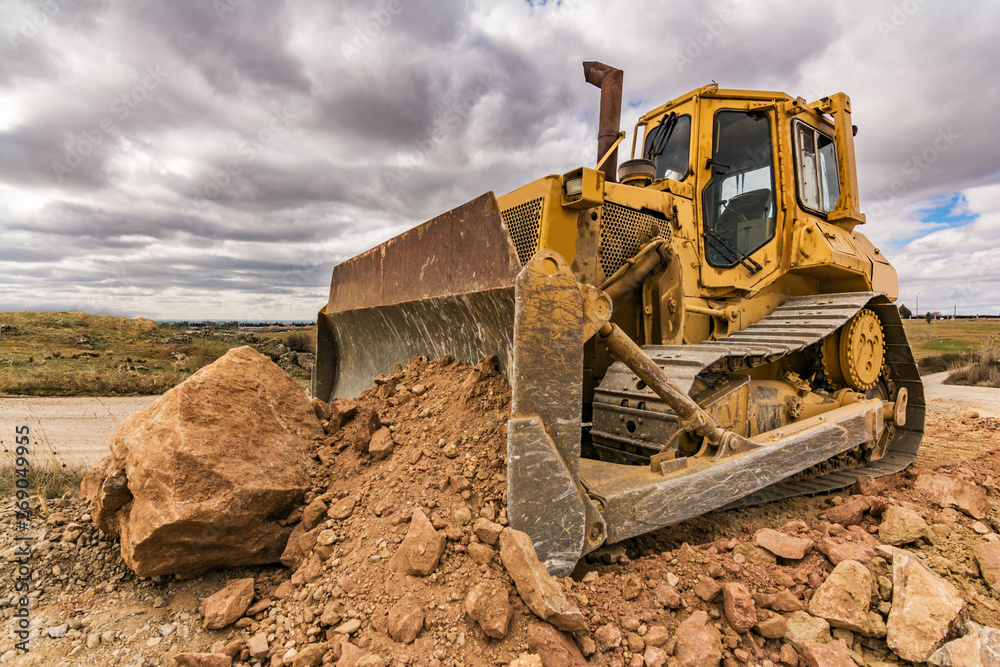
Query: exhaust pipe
x=609, y=80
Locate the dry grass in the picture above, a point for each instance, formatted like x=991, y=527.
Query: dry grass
x=77, y=354
x=47, y=476
x=984, y=369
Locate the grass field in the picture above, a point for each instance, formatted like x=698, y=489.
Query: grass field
x=67, y=354
x=948, y=336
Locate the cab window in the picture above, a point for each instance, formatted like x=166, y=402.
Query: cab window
x=816, y=160
x=668, y=145
x=739, y=200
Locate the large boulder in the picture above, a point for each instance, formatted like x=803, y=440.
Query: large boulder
x=200, y=478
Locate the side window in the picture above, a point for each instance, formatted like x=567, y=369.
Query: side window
x=668, y=145
x=816, y=159
x=739, y=198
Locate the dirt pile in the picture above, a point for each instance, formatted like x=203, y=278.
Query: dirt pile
x=401, y=555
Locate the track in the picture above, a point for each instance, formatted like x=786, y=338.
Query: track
x=798, y=324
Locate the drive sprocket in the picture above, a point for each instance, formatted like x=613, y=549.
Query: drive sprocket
x=862, y=350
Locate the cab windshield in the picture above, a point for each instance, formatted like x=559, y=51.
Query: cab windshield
x=668, y=145
x=739, y=200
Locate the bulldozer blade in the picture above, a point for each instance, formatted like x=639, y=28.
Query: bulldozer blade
x=444, y=287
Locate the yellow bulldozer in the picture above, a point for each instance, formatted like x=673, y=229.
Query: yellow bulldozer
x=699, y=328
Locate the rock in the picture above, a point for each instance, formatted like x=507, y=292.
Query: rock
x=608, y=637
x=202, y=660
x=211, y=466
x=698, y=644
x=788, y=656
x=850, y=513
x=657, y=635
x=349, y=654
x=632, y=588
x=866, y=485
x=421, y=550
x=843, y=599
x=901, y=526
x=57, y=631
x=359, y=431
x=311, y=655
x=949, y=491
x=745, y=552
x=654, y=657
x=707, y=589
x=782, y=545
x=535, y=585
x=787, y=601
x=526, y=660
x=487, y=604
x=303, y=537
x=406, y=620
x=801, y=629
x=772, y=628
x=926, y=609
x=480, y=553
x=462, y=515
x=487, y=531
x=381, y=444
x=739, y=607
x=321, y=408
x=988, y=558
x=348, y=627
x=838, y=552
x=227, y=605
x=342, y=410
x=342, y=509
x=832, y=654
x=257, y=645
x=666, y=595
x=978, y=647
x=553, y=648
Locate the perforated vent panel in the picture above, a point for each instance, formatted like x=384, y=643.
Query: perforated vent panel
x=523, y=222
x=623, y=232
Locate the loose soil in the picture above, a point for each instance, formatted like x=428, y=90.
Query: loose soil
x=448, y=421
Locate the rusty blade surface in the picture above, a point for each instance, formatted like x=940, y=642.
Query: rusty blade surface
x=467, y=249
x=445, y=287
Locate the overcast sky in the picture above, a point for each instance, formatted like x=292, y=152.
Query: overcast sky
x=215, y=159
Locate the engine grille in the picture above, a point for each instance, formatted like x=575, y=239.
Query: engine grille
x=623, y=232
x=523, y=222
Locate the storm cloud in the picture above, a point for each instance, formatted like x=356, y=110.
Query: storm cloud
x=215, y=159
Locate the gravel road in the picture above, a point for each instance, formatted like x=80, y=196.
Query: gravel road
x=70, y=430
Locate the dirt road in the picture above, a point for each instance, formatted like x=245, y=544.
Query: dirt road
x=71, y=430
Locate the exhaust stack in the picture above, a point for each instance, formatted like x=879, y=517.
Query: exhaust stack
x=609, y=80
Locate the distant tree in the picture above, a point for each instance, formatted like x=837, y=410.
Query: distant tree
x=928, y=316
x=904, y=312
